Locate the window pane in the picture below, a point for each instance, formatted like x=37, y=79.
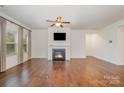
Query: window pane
x=10, y=43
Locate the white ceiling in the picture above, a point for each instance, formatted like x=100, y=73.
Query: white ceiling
x=81, y=17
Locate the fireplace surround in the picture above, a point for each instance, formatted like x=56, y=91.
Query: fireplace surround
x=58, y=50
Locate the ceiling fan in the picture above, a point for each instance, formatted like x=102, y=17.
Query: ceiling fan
x=58, y=22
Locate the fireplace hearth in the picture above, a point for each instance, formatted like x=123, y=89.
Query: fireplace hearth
x=58, y=54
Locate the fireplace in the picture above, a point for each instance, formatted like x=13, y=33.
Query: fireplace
x=58, y=54
x=59, y=44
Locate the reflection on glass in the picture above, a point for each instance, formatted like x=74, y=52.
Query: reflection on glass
x=10, y=43
x=25, y=45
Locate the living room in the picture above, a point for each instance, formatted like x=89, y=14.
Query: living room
x=69, y=47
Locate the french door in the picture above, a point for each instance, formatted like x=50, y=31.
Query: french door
x=15, y=44
x=11, y=45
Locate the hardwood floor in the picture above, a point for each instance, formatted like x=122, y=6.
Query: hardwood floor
x=89, y=72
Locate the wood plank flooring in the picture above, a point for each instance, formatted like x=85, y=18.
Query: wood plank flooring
x=90, y=72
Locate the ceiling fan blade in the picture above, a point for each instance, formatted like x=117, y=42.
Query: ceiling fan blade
x=66, y=22
x=50, y=21
x=52, y=25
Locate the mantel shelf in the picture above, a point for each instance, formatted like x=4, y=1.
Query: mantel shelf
x=58, y=45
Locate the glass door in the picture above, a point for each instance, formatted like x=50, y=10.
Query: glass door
x=11, y=44
x=25, y=45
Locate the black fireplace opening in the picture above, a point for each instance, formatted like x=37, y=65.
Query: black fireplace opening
x=58, y=54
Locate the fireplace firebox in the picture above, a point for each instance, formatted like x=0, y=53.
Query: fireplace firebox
x=58, y=54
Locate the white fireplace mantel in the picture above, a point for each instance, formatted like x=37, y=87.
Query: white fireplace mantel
x=58, y=44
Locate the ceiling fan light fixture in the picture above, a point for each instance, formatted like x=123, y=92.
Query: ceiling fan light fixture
x=58, y=24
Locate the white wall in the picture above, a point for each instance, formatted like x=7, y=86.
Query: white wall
x=39, y=43
x=91, y=42
x=40, y=39
x=120, y=47
x=78, y=49
x=99, y=46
